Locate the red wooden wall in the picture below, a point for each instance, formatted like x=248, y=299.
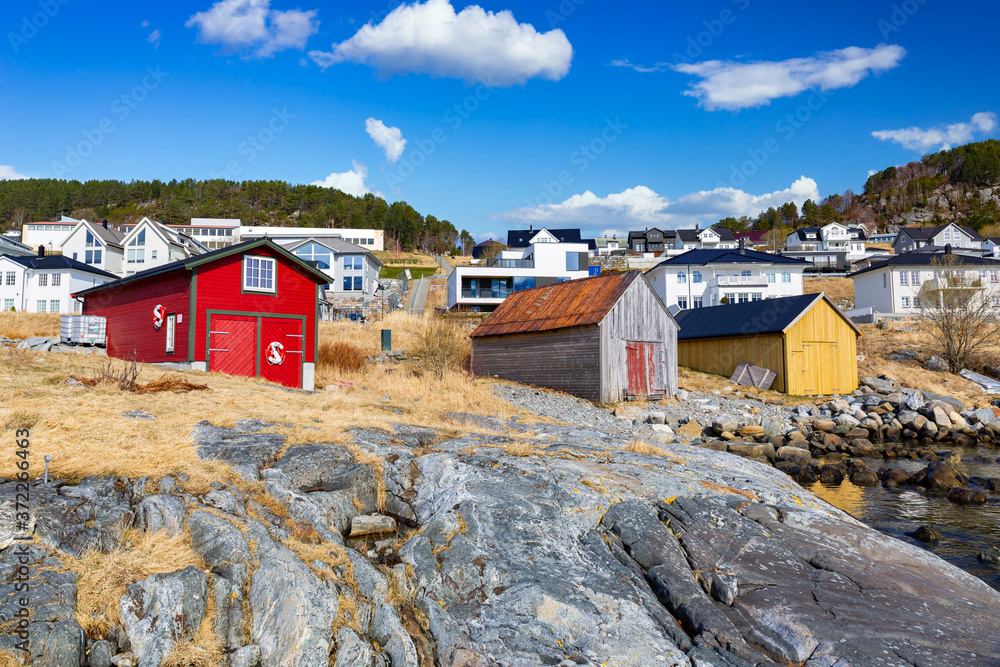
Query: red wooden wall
x=129, y=310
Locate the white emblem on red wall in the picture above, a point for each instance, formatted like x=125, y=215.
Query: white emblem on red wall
x=275, y=354
x=159, y=313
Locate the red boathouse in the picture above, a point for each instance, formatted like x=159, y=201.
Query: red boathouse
x=249, y=309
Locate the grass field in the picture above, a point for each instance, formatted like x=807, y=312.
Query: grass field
x=391, y=257
x=415, y=271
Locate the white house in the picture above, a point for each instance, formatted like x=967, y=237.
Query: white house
x=896, y=286
x=96, y=245
x=703, y=278
x=353, y=270
x=607, y=245
x=11, y=246
x=149, y=245
x=830, y=245
x=674, y=241
x=43, y=284
x=542, y=263
x=370, y=239
x=912, y=238
x=48, y=234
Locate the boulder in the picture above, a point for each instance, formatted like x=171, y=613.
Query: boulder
x=903, y=355
x=217, y=540
x=863, y=477
x=691, y=430
x=824, y=425
x=656, y=417
x=160, y=512
x=351, y=651
x=797, y=454
x=725, y=423
x=926, y=534
x=941, y=418
x=967, y=497
x=937, y=363
x=880, y=385
x=943, y=477
x=100, y=654
x=162, y=610
x=989, y=555
x=248, y=656
x=372, y=524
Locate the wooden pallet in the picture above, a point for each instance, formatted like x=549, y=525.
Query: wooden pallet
x=753, y=376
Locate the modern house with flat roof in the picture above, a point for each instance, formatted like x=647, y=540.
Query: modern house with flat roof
x=371, y=239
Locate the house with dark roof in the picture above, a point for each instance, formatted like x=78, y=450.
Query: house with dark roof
x=656, y=241
x=912, y=238
x=808, y=342
x=524, y=238
x=352, y=269
x=44, y=283
x=898, y=285
x=96, y=244
x=11, y=246
x=605, y=339
x=704, y=278
x=249, y=309
x=481, y=250
x=833, y=246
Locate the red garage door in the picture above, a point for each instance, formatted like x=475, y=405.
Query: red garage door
x=233, y=345
x=281, y=351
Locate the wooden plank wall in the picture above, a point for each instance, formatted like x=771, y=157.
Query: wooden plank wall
x=639, y=315
x=720, y=356
x=565, y=359
x=824, y=369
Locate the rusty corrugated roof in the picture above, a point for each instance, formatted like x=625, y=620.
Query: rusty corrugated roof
x=574, y=303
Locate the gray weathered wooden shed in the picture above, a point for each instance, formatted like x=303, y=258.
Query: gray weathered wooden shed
x=604, y=339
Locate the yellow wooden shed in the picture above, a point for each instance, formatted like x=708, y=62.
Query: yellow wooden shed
x=806, y=340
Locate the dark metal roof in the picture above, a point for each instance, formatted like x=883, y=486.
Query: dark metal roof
x=748, y=319
x=729, y=256
x=55, y=262
x=110, y=235
x=934, y=258
x=691, y=235
x=191, y=262
x=926, y=233
x=574, y=303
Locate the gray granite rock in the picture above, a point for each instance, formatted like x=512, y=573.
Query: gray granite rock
x=156, y=513
x=162, y=610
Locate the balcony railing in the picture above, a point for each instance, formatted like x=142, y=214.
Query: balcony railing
x=468, y=293
x=511, y=263
x=736, y=281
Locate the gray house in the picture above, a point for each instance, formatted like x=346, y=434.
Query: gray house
x=353, y=270
x=914, y=238
x=605, y=339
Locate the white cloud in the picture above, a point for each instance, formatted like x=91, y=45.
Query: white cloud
x=942, y=137
x=641, y=207
x=154, y=39
x=734, y=85
x=389, y=139
x=251, y=25
x=625, y=62
x=8, y=173
x=352, y=182
x=474, y=45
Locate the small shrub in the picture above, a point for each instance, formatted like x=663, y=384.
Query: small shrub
x=123, y=377
x=341, y=356
x=443, y=345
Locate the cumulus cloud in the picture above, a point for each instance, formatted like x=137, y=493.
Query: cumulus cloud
x=352, y=182
x=8, y=173
x=252, y=26
x=154, y=39
x=474, y=45
x=734, y=85
x=389, y=139
x=641, y=207
x=625, y=62
x=942, y=137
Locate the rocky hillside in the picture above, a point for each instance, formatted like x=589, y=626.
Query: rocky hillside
x=571, y=542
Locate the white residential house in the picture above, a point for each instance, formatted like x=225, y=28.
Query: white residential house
x=542, y=263
x=703, y=278
x=353, y=270
x=96, y=245
x=45, y=283
x=832, y=245
x=48, y=234
x=370, y=239
x=709, y=238
x=150, y=244
x=913, y=238
x=607, y=245
x=896, y=286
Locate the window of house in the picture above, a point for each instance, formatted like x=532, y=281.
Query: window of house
x=744, y=297
x=56, y=279
x=171, y=332
x=43, y=280
x=259, y=274
x=771, y=277
x=730, y=297
x=916, y=302
x=699, y=302
x=756, y=296
x=523, y=283
x=92, y=257
x=572, y=261
x=136, y=251
x=786, y=277
x=914, y=278
x=696, y=277
x=314, y=252
x=349, y=284
x=152, y=254
x=359, y=283
x=904, y=278
x=91, y=240
x=54, y=306
x=682, y=302
x=905, y=301
x=8, y=304
x=40, y=306
x=11, y=278
x=746, y=273
x=681, y=277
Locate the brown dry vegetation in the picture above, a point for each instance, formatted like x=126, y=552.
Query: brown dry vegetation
x=837, y=288
x=28, y=325
x=407, y=258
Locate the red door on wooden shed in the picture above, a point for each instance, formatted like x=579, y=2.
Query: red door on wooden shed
x=233, y=345
x=281, y=349
x=641, y=368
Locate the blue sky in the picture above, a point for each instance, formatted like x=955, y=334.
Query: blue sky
x=605, y=116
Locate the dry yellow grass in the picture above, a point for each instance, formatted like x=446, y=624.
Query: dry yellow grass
x=203, y=650
x=28, y=325
x=391, y=257
x=837, y=288
x=104, y=577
